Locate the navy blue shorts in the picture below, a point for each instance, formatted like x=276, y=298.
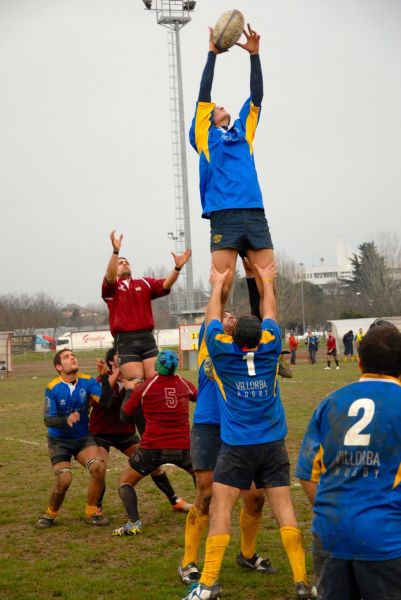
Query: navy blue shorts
x=205, y=446
x=265, y=464
x=239, y=228
x=339, y=579
x=61, y=450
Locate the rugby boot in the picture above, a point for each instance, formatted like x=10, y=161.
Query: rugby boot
x=189, y=573
x=128, y=529
x=304, y=591
x=44, y=522
x=181, y=505
x=257, y=563
x=203, y=592
x=98, y=520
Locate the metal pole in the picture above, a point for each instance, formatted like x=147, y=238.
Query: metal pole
x=302, y=297
x=184, y=173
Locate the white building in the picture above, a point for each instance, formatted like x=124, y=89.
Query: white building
x=325, y=274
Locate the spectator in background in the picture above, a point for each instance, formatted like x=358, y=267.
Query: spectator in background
x=358, y=338
x=312, y=342
x=348, y=341
x=293, y=346
x=331, y=343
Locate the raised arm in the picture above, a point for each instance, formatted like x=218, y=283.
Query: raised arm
x=205, y=90
x=267, y=276
x=180, y=260
x=215, y=307
x=252, y=46
x=111, y=272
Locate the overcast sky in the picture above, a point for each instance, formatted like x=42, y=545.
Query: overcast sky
x=85, y=132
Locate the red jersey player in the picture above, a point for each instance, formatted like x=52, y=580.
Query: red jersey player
x=164, y=399
x=129, y=302
x=108, y=430
x=331, y=350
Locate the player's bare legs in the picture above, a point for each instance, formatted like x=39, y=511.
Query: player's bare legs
x=149, y=367
x=62, y=472
x=261, y=258
x=225, y=259
x=92, y=459
x=132, y=370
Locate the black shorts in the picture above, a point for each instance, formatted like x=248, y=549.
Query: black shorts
x=120, y=441
x=146, y=461
x=339, y=579
x=205, y=446
x=135, y=346
x=265, y=464
x=348, y=351
x=239, y=228
x=332, y=352
x=61, y=450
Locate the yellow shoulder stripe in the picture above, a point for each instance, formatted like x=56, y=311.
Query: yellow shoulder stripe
x=220, y=384
x=54, y=382
x=318, y=466
x=84, y=376
x=397, y=479
x=202, y=126
x=266, y=337
x=202, y=352
x=95, y=398
x=224, y=338
x=251, y=124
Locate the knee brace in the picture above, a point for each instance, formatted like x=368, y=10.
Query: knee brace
x=91, y=461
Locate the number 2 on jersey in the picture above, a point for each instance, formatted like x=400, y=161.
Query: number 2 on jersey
x=354, y=437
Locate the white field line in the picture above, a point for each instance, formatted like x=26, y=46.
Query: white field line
x=31, y=443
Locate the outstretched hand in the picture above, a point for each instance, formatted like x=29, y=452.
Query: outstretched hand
x=252, y=41
x=267, y=273
x=212, y=46
x=217, y=278
x=116, y=241
x=181, y=259
x=101, y=366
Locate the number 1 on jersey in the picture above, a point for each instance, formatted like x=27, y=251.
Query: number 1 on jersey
x=250, y=363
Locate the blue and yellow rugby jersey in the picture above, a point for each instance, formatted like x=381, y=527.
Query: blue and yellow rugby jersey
x=227, y=173
x=207, y=408
x=353, y=449
x=62, y=398
x=250, y=406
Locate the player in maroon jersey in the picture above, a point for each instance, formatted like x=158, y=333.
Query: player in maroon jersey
x=164, y=399
x=331, y=344
x=108, y=430
x=129, y=302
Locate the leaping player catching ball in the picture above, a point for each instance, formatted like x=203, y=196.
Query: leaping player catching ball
x=230, y=193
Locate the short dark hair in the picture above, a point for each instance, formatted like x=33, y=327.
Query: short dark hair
x=110, y=354
x=380, y=351
x=247, y=331
x=57, y=356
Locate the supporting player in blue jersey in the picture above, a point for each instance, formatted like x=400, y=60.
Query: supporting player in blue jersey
x=350, y=468
x=205, y=448
x=253, y=429
x=230, y=192
x=66, y=414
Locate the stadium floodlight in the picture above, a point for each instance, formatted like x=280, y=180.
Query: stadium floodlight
x=174, y=15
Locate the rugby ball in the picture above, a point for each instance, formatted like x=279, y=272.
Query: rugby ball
x=228, y=29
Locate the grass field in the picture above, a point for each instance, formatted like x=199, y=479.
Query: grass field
x=74, y=561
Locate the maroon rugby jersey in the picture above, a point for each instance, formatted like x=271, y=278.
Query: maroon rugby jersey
x=107, y=420
x=331, y=343
x=130, y=307
x=164, y=399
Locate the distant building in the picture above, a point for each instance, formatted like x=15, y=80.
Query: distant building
x=327, y=274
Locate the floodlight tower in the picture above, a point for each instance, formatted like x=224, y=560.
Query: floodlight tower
x=174, y=14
